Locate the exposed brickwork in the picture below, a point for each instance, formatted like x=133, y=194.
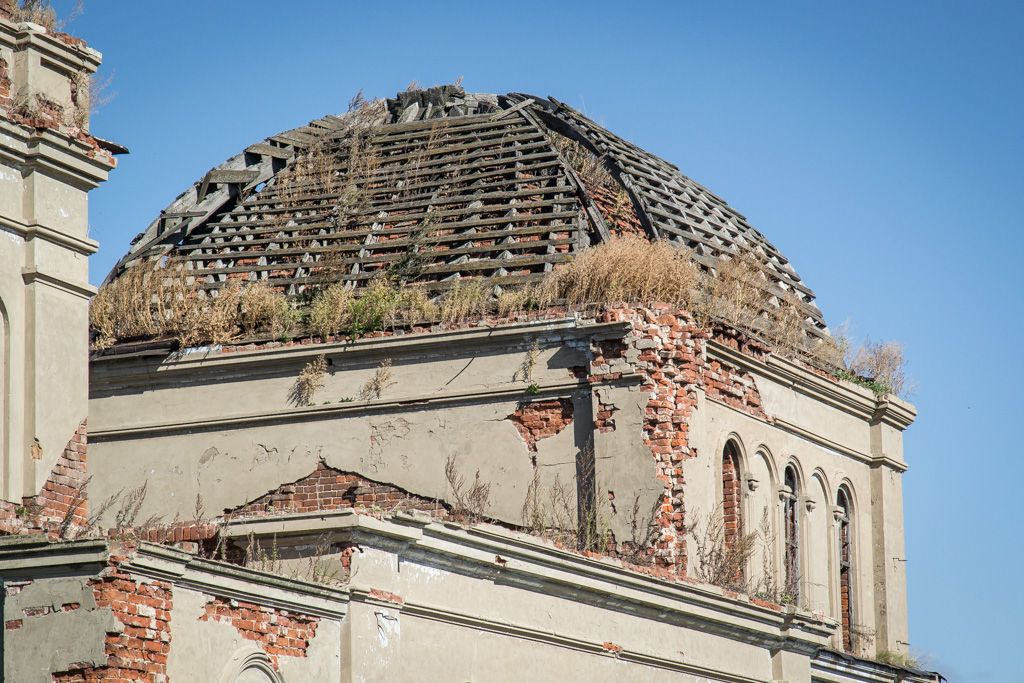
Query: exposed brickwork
x=386, y=596
x=732, y=511
x=140, y=651
x=669, y=350
x=63, y=496
x=279, y=633
x=62, y=504
x=5, y=84
x=668, y=347
x=733, y=387
x=538, y=420
x=604, y=420
x=330, y=489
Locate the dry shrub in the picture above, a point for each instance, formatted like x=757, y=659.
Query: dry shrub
x=624, y=269
x=898, y=659
x=38, y=12
x=309, y=381
x=726, y=564
x=522, y=298
x=329, y=313
x=469, y=500
x=785, y=326
x=263, y=308
x=884, y=364
x=736, y=293
x=310, y=174
x=148, y=300
x=381, y=380
x=122, y=309
x=719, y=561
x=381, y=305
x=466, y=299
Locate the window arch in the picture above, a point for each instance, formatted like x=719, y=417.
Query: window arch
x=732, y=508
x=249, y=665
x=844, y=517
x=791, y=536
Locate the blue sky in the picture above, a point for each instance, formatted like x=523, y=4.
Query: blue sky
x=879, y=145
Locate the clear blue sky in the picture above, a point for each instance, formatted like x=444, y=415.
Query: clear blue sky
x=879, y=145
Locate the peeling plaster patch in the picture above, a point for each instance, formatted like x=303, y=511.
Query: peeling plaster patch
x=208, y=455
x=262, y=456
x=388, y=627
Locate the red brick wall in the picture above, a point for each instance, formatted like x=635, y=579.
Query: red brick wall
x=140, y=651
x=278, y=633
x=732, y=511
x=62, y=504
x=538, y=420
x=669, y=347
x=330, y=489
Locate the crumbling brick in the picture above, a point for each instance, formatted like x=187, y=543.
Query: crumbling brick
x=330, y=489
x=538, y=420
x=277, y=632
x=62, y=504
x=139, y=652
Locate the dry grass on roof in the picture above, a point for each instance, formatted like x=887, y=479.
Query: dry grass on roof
x=150, y=301
x=627, y=269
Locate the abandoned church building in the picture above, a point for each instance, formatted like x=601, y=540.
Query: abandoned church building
x=448, y=387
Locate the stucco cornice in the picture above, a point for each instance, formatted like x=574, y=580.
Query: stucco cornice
x=35, y=555
x=80, y=289
x=214, y=359
x=845, y=396
x=72, y=56
x=234, y=582
x=352, y=408
x=78, y=245
x=532, y=564
x=54, y=153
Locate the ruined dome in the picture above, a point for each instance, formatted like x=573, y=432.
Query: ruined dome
x=438, y=185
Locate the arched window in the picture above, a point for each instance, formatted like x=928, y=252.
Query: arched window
x=732, y=511
x=844, y=513
x=791, y=524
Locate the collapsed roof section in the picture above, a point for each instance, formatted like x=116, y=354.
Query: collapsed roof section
x=436, y=185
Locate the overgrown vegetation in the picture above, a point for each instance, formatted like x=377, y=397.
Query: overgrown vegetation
x=309, y=381
x=725, y=562
x=469, y=500
x=381, y=380
x=150, y=301
x=557, y=512
x=900, y=659
x=881, y=367
x=39, y=12
x=317, y=565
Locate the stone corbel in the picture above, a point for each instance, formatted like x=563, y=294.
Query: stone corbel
x=785, y=493
x=838, y=513
x=810, y=503
x=752, y=483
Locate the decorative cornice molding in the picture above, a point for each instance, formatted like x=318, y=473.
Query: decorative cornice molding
x=532, y=564
x=85, y=246
x=845, y=396
x=80, y=289
x=334, y=410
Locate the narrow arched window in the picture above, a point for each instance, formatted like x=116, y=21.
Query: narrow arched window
x=732, y=513
x=845, y=516
x=791, y=551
